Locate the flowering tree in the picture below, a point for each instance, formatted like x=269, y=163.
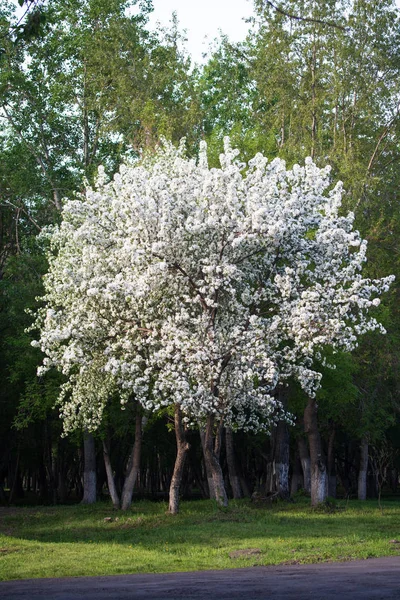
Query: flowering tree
x=203, y=288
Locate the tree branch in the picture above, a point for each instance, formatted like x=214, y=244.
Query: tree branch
x=36, y=155
x=24, y=211
x=375, y=153
x=305, y=19
x=203, y=302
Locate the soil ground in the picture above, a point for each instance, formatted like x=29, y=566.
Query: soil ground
x=372, y=579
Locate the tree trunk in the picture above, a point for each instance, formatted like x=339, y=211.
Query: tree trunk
x=16, y=485
x=362, y=474
x=319, y=475
x=277, y=475
x=331, y=464
x=314, y=97
x=304, y=456
x=89, y=471
x=281, y=459
x=297, y=475
x=110, y=477
x=42, y=480
x=62, y=473
x=218, y=441
x=182, y=448
x=133, y=464
x=211, y=492
x=232, y=468
x=216, y=471
x=269, y=476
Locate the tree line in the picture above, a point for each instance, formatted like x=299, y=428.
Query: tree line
x=92, y=86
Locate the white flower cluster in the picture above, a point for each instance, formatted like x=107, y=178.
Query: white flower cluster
x=176, y=283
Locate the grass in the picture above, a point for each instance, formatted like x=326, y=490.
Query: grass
x=77, y=540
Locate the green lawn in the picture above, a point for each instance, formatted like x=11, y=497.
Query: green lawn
x=77, y=540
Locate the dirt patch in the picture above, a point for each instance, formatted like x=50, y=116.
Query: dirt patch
x=8, y=550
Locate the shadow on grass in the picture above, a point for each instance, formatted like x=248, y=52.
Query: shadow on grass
x=199, y=524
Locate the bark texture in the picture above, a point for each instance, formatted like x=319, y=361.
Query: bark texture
x=216, y=471
x=331, y=464
x=133, y=464
x=89, y=471
x=362, y=474
x=304, y=456
x=110, y=477
x=297, y=475
x=319, y=474
x=207, y=465
x=182, y=448
x=281, y=460
x=234, y=479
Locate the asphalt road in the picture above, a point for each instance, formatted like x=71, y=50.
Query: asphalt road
x=371, y=579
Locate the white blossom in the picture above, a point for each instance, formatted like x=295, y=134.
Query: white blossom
x=176, y=283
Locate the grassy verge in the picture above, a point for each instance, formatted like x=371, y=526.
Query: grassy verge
x=81, y=540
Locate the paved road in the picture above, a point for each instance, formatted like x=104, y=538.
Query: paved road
x=373, y=579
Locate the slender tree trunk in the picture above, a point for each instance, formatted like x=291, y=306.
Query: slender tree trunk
x=277, y=476
x=336, y=112
x=34, y=482
x=61, y=478
x=362, y=474
x=57, y=200
x=62, y=474
x=232, y=467
x=196, y=467
x=182, y=448
x=133, y=464
x=89, y=470
x=281, y=460
x=28, y=481
x=50, y=462
x=331, y=464
x=218, y=441
x=319, y=475
x=110, y=477
x=42, y=480
x=314, y=96
x=269, y=475
x=207, y=465
x=304, y=456
x=297, y=475
x=216, y=471
x=15, y=477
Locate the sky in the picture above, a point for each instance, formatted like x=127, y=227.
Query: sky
x=203, y=19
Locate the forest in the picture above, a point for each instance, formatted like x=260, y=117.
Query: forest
x=84, y=84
